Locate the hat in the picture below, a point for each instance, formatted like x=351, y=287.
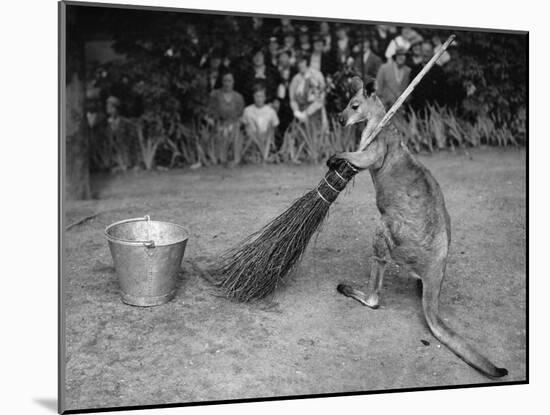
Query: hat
x=318, y=38
x=302, y=55
x=284, y=50
x=416, y=42
x=415, y=37
x=287, y=31
x=257, y=48
x=399, y=51
x=113, y=100
x=340, y=26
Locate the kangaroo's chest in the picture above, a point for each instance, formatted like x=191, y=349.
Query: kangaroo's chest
x=409, y=200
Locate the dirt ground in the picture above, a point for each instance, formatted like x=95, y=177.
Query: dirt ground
x=306, y=339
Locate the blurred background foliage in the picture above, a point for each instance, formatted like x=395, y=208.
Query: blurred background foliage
x=162, y=85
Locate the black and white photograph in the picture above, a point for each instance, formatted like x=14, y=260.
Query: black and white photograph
x=259, y=206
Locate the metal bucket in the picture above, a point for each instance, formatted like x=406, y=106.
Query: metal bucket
x=147, y=255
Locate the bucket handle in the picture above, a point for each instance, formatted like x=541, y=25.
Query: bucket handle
x=146, y=244
x=149, y=244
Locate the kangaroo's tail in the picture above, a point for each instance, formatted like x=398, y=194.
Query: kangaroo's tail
x=456, y=343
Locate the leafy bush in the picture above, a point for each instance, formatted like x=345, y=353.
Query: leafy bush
x=263, y=145
x=437, y=128
x=488, y=73
x=441, y=128
x=163, y=85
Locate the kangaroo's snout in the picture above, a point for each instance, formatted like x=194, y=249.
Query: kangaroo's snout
x=342, y=118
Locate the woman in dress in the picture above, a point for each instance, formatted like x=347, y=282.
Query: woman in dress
x=225, y=109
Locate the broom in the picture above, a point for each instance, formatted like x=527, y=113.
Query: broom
x=255, y=268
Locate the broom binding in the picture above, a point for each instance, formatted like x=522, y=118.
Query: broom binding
x=322, y=197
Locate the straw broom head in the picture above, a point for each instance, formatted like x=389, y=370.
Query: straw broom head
x=259, y=265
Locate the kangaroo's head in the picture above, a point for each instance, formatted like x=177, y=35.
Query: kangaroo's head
x=364, y=105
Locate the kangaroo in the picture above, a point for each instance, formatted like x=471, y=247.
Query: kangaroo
x=415, y=228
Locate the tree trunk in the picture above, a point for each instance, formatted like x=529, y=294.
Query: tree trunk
x=77, y=167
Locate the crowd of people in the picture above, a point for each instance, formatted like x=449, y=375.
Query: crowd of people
x=298, y=68
x=298, y=72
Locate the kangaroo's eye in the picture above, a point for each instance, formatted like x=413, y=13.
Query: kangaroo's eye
x=355, y=107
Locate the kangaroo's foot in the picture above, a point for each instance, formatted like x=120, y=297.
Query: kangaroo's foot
x=371, y=301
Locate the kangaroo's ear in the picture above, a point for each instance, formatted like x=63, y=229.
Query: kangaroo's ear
x=369, y=86
x=356, y=84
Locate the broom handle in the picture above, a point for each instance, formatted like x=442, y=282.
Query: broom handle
x=406, y=93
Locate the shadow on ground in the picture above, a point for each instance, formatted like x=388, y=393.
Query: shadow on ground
x=307, y=339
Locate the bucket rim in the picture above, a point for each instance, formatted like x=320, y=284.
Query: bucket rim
x=148, y=244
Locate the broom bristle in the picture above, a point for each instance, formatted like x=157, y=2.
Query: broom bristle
x=255, y=269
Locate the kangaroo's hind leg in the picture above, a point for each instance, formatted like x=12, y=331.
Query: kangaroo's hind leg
x=378, y=266
x=379, y=262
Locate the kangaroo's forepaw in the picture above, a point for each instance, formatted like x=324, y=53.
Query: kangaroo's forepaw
x=357, y=159
x=335, y=161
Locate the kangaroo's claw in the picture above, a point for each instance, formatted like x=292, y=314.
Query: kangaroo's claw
x=335, y=161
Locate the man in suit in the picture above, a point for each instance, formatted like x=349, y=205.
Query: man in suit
x=273, y=52
x=393, y=78
x=369, y=64
x=324, y=32
x=304, y=45
x=433, y=87
x=342, y=46
x=215, y=71
x=258, y=70
x=285, y=73
x=320, y=59
x=289, y=46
